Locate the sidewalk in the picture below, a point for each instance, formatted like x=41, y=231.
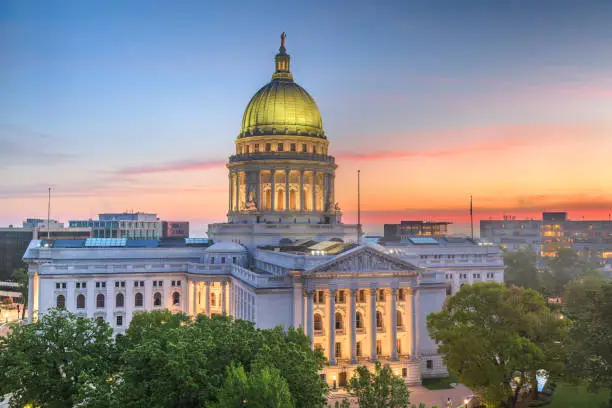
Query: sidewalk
x=417, y=395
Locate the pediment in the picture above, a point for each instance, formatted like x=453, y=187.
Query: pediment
x=363, y=259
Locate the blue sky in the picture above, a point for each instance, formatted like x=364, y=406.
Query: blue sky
x=91, y=89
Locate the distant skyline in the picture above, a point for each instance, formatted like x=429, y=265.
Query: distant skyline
x=135, y=105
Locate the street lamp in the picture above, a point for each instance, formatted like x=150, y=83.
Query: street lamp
x=334, y=386
x=466, y=402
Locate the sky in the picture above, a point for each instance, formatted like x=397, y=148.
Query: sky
x=134, y=105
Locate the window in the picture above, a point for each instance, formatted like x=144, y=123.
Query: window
x=338, y=350
x=340, y=296
x=318, y=322
x=233, y=259
x=362, y=296
x=222, y=259
x=212, y=259
x=404, y=372
x=256, y=147
x=100, y=284
x=379, y=347
x=213, y=299
x=116, y=284
x=58, y=285
x=154, y=284
x=293, y=147
x=84, y=285
x=78, y=285
x=379, y=320
x=157, y=299
x=63, y=285
x=138, y=300
x=123, y=284
x=173, y=283
x=304, y=148
x=321, y=296
x=339, y=322
x=176, y=299
x=398, y=318
x=398, y=346
x=119, y=300
x=358, y=349
x=142, y=284
x=136, y=284
x=178, y=283
x=429, y=364
x=381, y=295
x=280, y=147
x=119, y=320
x=60, y=302
x=400, y=294
x=358, y=321
x=81, y=302
x=268, y=147
x=100, y=300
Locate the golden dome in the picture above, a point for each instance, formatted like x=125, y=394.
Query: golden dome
x=282, y=107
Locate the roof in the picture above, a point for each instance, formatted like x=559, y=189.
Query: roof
x=225, y=247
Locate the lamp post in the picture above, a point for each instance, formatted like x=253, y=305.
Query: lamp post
x=334, y=384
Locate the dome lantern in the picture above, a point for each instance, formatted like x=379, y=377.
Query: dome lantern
x=283, y=61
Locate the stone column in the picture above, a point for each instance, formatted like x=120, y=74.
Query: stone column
x=237, y=191
x=298, y=299
x=325, y=192
x=333, y=189
x=273, y=194
x=302, y=190
x=314, y=191
x=413, y=342
x=353, y=322
x=258, y=191
x=332, y=326
x=309, y=315
x=207, y=298
x=187, y=299
x=373, y=324
x=223, y=297
x=31, y=297
x=194, y=301
x=287, y=172
x=393, y=330
x=230, y=192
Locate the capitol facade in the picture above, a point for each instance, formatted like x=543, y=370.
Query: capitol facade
x=284, y=256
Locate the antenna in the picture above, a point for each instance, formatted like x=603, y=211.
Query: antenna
x=471, y=218
x=49, y=216
x=358, y=206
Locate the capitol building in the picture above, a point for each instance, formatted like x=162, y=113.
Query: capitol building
x=284, y=256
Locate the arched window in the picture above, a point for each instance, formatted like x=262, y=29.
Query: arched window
x=81, y=302
x=318, y=322
x=339, y=322
x=379, y=320
x=119, y=300
x=60, y=302
x=100, y=300
x=400, y=294
x=157, y=299
x=176, y=299
x=213, y=299
x=358, y=321
x=138, y=300
x=398, y=319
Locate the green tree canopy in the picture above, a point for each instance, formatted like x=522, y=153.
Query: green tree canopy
x=378, y=389
x=589, y=304
x=263, y=387
x=564, y=267
x=521, y=269
x=47, y=362
x=493, y=337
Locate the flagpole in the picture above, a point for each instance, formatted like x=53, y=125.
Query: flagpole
x=49, y=216
x=471, y=217
x=358, y=206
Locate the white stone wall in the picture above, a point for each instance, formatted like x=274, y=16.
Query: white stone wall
x=273, y=307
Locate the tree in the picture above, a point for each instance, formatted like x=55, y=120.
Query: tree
x=380, y=389
x=45, y=363
x=564, y=267
x=495, y=338
x=589, y=304
x=261, y=388
x=20, y=276
x=521, y=269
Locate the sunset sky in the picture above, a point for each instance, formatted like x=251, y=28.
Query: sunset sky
x=135, y=105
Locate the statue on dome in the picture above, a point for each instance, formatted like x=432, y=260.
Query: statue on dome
x=283, y=36
x=251, y=205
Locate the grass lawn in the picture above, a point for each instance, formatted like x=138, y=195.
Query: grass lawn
x=570, y=396
x=439, y=383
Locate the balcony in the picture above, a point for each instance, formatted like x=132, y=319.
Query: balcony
x=281, y=155
x=340, y=331
x=360, y=330
x=319, y=332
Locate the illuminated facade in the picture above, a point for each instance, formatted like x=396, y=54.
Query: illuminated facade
x=283, y=257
